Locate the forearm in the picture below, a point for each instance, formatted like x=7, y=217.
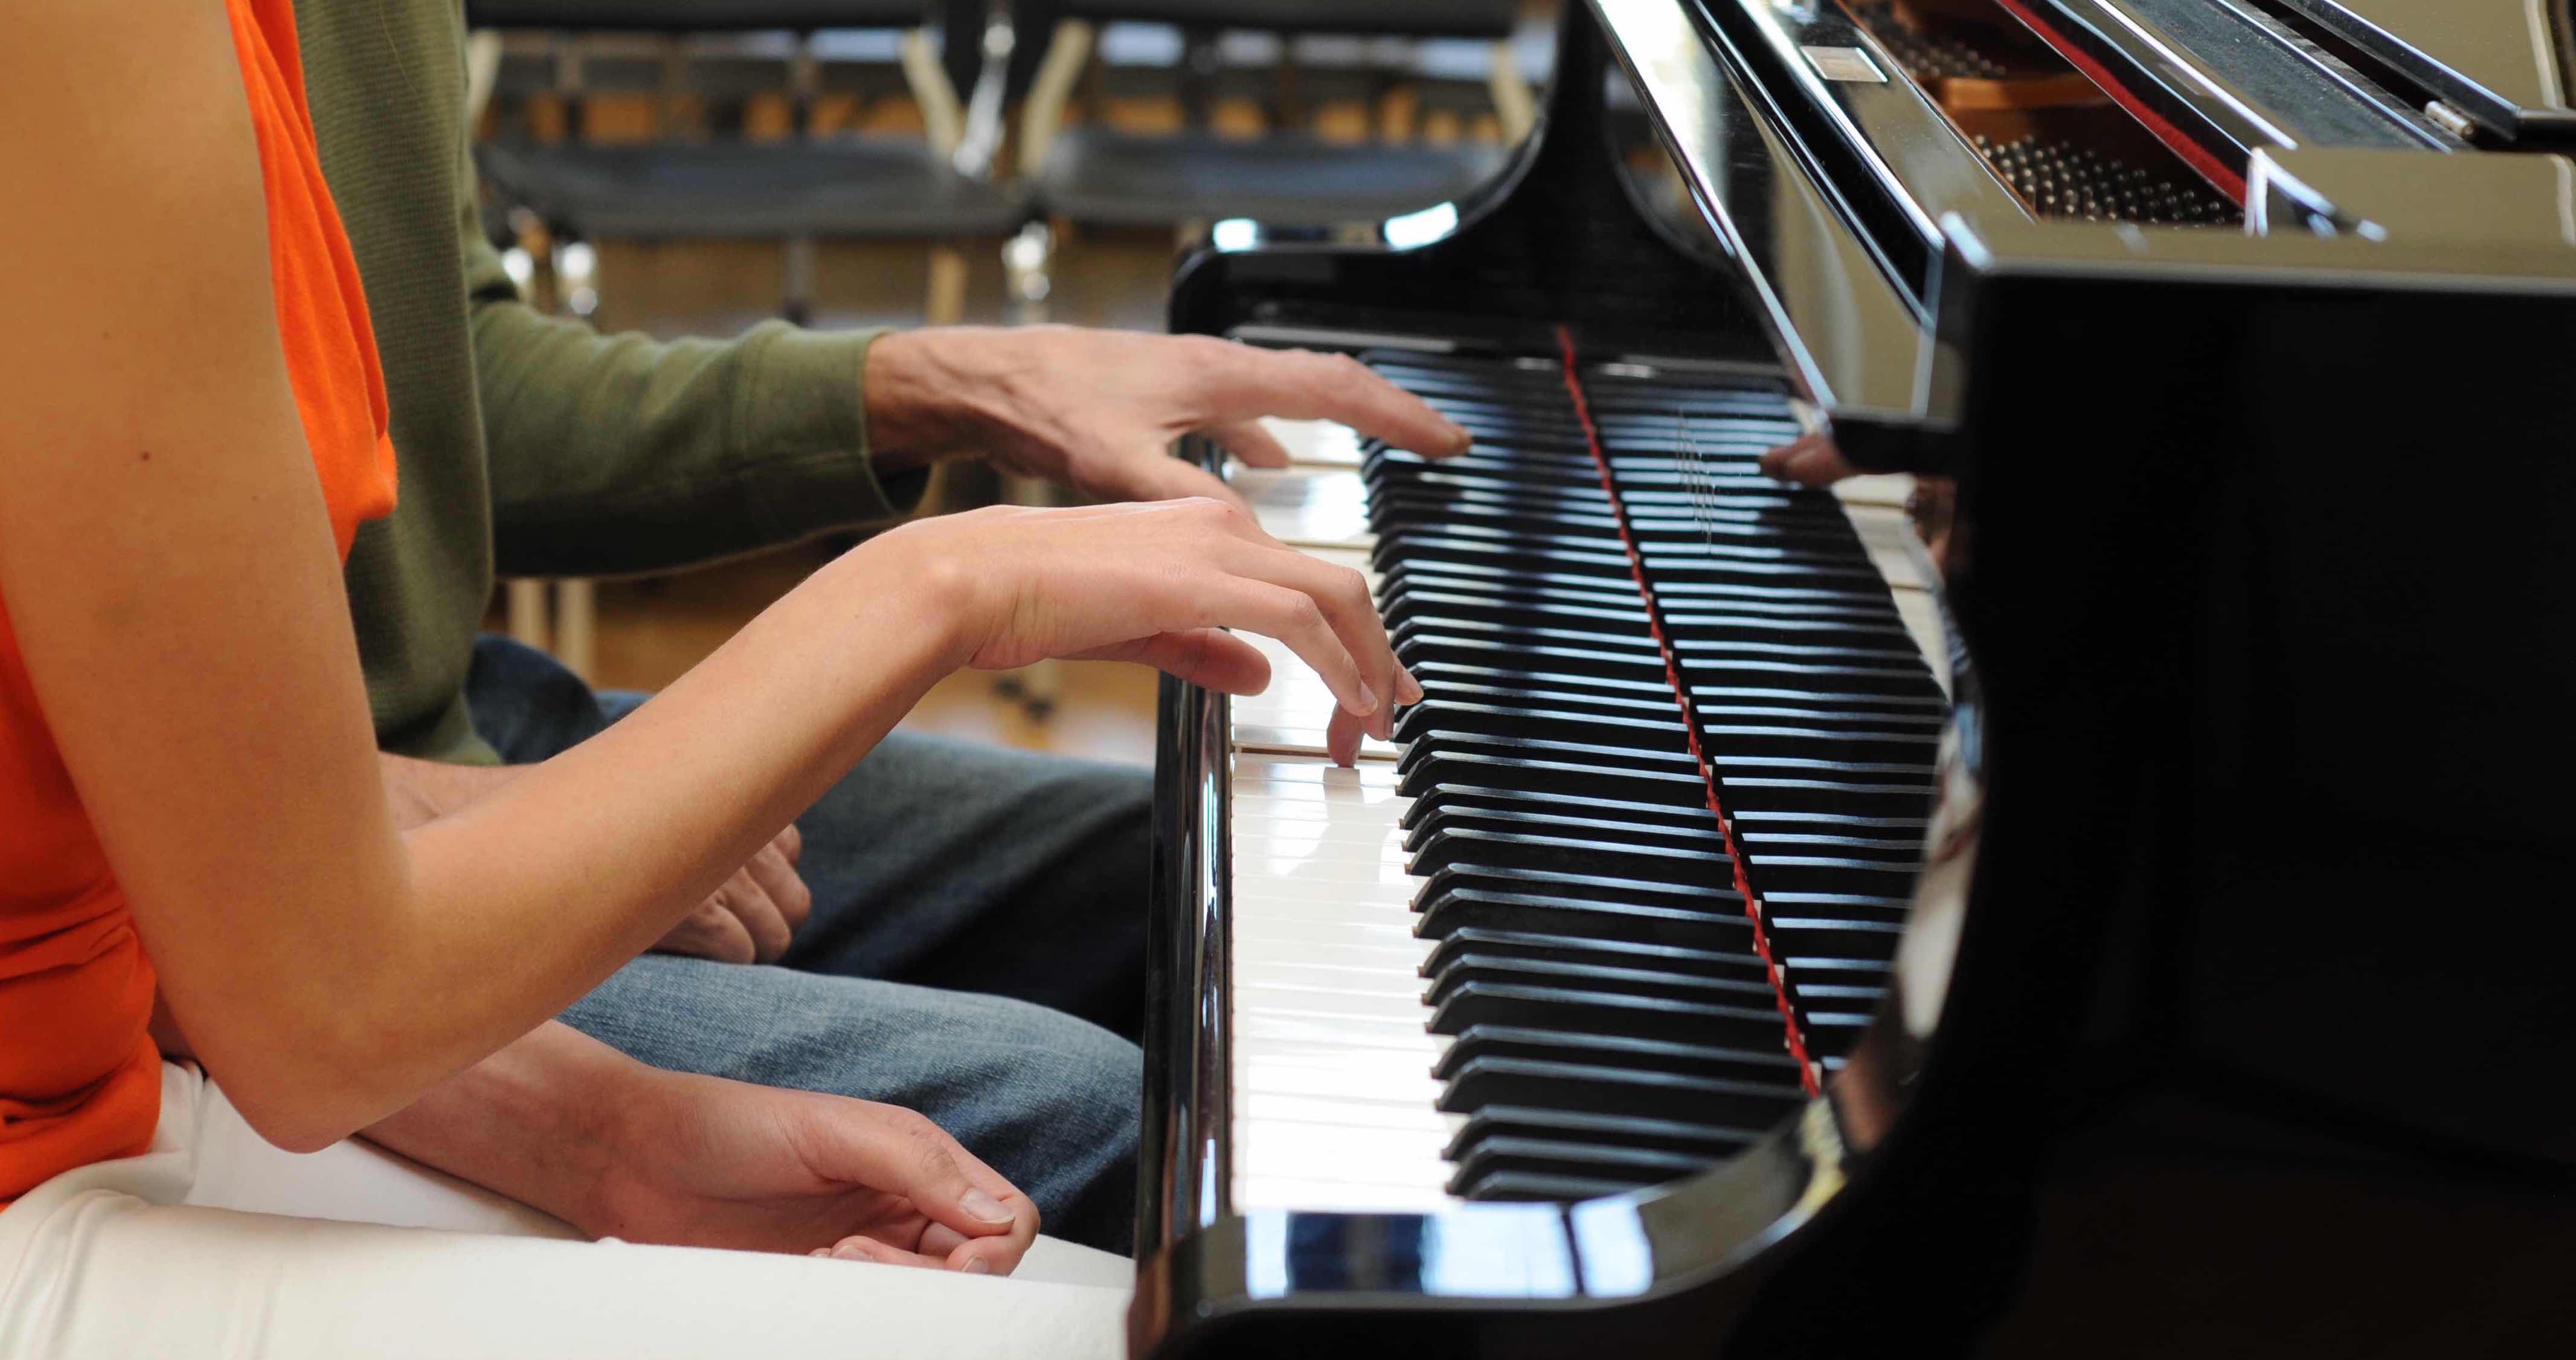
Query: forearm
x=533, y=1122
x=401, y=971
x=529, y=896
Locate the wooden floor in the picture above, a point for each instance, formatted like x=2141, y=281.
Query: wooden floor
x=651, y=630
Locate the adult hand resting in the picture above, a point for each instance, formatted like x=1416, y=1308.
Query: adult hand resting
x=1156, y=583
x=751, y=919
x=702, y=1161
x=1098, y=410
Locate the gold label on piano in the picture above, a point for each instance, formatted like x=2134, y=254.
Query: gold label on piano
x=1845, y=64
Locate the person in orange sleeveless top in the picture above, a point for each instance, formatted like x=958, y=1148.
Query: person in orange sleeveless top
x=191, y=817
x=80, y=1078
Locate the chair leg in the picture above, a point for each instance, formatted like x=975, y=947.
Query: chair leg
x=528, y=613
x=577, y=624
x=1042, y=112
x=796, y=302
x=946, y=305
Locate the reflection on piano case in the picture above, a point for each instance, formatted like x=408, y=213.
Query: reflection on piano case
x=1693, y=977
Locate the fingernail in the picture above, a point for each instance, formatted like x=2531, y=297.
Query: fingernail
x=1407, y=689
x=851, y=1251
x=1459, y=439
x=824, y=1252
x=977, y=1266
x=1368, y=700
x=984, y=1207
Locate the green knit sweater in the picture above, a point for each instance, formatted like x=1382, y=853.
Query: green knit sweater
x=528, y=443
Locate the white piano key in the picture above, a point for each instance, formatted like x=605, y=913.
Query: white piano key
x=1889, y=538
x=1283, y=1108
x=1333, y=1098
x=1291, y=715
x=1922, y=615
x=1325, y=1195
x=1322, y=442
x=1888, y=534
x=1889, y=489
x=1309, y=507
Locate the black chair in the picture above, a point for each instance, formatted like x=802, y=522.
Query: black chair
x=796, y=191
x=1089, y=174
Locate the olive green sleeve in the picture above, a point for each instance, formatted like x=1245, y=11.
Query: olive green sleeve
x=623, y=453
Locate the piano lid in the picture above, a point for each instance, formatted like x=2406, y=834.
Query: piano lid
x=2503, y=63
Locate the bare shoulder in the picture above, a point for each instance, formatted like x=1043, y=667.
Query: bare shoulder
x=135, y=225
x=120, y=119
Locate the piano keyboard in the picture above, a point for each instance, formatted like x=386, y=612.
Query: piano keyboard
x=1508, y=957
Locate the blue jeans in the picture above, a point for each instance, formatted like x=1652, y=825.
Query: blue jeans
x=975, y=951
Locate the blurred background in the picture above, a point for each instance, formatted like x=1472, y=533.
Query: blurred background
x=683, y=167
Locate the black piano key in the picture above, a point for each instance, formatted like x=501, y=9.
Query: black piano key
x=1623, y=660
x=1429, y=545
x=1550, y=818
x=1510, y=1184
x=1453, y=715
x=1504, y=850
x=1673, y=1135
x=1850, y=981
x=1430, y=766
x=1585, y=649
x=1501, y=570
x=1719, y=899
x=1643, y=1055
x=1567, y=703
x=1749, y=822
x=1613, y=1091
x=1483, y=907
x=1752, y=637
x=1614, y=1025
x=1502, y=669
x=1744, y=982
x=1482, y=1001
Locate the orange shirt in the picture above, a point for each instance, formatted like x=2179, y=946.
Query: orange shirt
x=80, y=1081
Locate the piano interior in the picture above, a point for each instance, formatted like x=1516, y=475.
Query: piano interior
x=2055, y=138
x=1774, y=937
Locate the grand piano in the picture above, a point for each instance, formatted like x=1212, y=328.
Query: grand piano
x=2108, y=913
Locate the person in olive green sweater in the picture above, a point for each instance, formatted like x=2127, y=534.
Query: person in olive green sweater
x=953, y=929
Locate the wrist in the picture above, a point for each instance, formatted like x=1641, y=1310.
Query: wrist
x=919, y=388
x=635, y=1129
x=942, y=603
x=550, y=1121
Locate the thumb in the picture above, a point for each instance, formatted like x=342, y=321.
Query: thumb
x=899, y=1152
x=1209, y=658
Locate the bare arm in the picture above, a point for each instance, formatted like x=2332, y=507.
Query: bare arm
x=168, y=569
